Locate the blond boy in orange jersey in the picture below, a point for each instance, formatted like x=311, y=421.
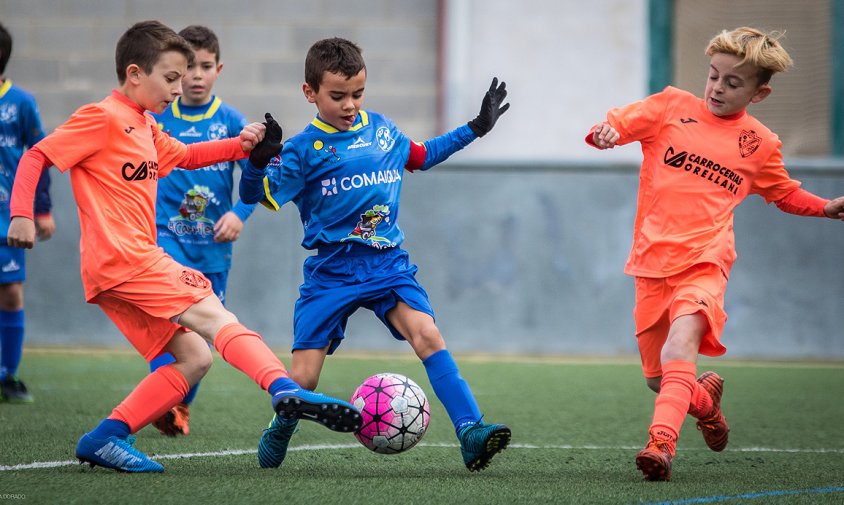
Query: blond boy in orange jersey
x=116, y=153
x=701, y=159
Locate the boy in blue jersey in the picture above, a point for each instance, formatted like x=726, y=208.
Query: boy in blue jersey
x=195, y=220
x=344, y=173
x=20, y=128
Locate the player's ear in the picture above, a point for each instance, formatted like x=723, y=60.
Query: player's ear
x=309, y=92
x=133, y=72
x=219, y=67
x=761, y=93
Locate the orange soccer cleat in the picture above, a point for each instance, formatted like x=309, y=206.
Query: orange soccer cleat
x=175, y=421
x=654, y=461
x=713, y=427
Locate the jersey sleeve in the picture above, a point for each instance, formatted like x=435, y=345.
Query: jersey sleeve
x=77, y=138
x=33, y=132
x=170, y=151
x=640, y=121
x=439, y=149
x=285, y=181
x=773, y=182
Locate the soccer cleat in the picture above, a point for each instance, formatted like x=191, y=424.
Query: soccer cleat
x=654, y=461
x=479, y=442
x=13, y=390
x=714, y=426
x=272, y=448
x=175, y=421
x=115, y=453
x=334, y=414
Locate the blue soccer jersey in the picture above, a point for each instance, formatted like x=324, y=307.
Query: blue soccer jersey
x=20, y=128
x=346, y=184
x=190, y=202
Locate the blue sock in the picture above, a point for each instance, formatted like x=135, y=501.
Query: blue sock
x=282, y=384
x=11, y=340
x=110, y=427
x=452, y=389
x=191, y=394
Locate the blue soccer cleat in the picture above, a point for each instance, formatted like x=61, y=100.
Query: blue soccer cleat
x=115, y=453
x=272, y=448
x=334, y=414
x=479, y=442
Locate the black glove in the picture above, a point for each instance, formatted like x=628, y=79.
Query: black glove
x=269, y=146
x=491, y=108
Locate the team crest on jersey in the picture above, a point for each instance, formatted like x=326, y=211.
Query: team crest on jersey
x=748, y=142
x=8, y=113
x=191, y=219
x=218, y=131
x=193, y=279
x=367, y=225
x=385, y=139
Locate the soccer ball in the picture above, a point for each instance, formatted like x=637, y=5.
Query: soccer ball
x=395, y=413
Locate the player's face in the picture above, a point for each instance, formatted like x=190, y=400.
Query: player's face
x=200, y=78
x=730, y=88
x=156, y=90
x=339, y=99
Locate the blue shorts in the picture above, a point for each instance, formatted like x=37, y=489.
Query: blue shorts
x=342, y=279
x=12, y=264
x=218, y=283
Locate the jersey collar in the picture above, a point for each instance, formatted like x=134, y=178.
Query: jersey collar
x=5, y=87
x=212, y=109
x=362, y=120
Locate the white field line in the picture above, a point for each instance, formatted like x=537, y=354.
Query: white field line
x=321, y=447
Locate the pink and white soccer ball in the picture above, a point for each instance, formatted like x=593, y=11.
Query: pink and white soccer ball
x=395, y=413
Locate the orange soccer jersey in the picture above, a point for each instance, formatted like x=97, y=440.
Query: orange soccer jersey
x=117, y=154
x=697, y=168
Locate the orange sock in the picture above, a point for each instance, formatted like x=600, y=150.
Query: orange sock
x=701, y=403
x=673, y=400
x=243, y=349
x=151, y=398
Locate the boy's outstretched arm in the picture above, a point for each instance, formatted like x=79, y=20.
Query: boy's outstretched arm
x=22, y=227
x=436, y=150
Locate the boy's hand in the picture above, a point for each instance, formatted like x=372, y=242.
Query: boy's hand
x=604, y=136
x=251, y=135
x=21, y=232
x=45, y=226
x=227, y=228
x=491, y=108
x=270, y=146
x=834, y=209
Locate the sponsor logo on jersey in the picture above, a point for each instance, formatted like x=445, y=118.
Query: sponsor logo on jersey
x=357, y=144
x=385, y=139
x=329, y=187
x=190, y=132
x=328, y=152
x=128, y=129
x=687, y=120
x=704, y=168
x=146, y=170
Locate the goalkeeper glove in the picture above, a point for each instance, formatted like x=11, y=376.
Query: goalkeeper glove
x=491, y=108
x=269, y=146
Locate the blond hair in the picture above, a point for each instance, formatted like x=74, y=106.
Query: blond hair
x=755, y=47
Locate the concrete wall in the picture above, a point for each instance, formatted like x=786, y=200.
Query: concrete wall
x=520, y=242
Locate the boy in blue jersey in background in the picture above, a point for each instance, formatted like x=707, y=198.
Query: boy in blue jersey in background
x=20, y=128
x=194, y=216
x=344, y=173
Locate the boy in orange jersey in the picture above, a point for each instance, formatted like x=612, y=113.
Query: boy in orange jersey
x=116, y=154
x=701, y=159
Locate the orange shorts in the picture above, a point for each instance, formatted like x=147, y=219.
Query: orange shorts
x=659, y=301
x=143, y=306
